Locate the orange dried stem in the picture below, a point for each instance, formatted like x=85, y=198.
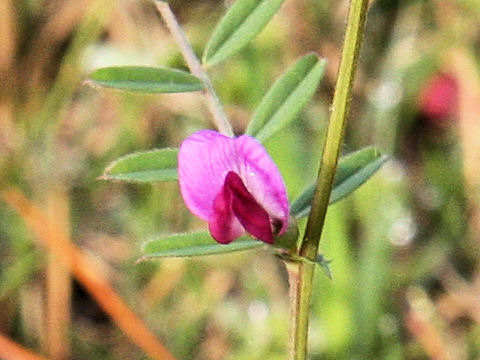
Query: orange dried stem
x=85, y=270
x=10, y=350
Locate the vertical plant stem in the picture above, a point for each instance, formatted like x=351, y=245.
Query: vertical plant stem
x=219, y=118
x=300, y=276
x=340, y=107
x=301, y=273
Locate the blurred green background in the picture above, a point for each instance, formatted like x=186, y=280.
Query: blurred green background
x=404, y=247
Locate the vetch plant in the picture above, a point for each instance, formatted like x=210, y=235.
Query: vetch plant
x=231, y=182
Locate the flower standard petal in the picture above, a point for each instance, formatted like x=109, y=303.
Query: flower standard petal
x=204, y=160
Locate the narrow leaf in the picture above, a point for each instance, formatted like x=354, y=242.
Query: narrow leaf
x=325, y=265
x=287, y=97
x=356, y=170
x=352, y=171
x=146, y=79
x=150, y=166
x=240, y=25
x=193, y=244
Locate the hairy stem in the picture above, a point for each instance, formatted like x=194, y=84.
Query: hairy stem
x=219, y=118
x=301, y=273
x=300, y=276
x=340, y=107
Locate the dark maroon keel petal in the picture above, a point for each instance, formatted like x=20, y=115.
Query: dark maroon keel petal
x=249, y=213
x=222, y=224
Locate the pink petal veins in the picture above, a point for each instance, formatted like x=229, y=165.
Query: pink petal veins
x=204, y=160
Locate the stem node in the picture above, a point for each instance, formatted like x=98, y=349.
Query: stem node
x=301, y=274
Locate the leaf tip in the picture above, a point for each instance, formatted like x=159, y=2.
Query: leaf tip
x=91, y=83
x=103, y=177
x=325, y=265
x=142, y=258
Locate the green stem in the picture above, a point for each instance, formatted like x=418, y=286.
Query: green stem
x=300, y=276
x=301, y=273
x=340, y=107
x=219, y=118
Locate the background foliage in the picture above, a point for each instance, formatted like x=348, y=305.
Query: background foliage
x=404, y=247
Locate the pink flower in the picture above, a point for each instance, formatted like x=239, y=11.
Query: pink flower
x=234, y=185
x=438, y=99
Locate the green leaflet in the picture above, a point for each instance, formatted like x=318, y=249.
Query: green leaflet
x=150, y=166
x=146, y=79
x=287, y=97
x=352, y=171
x=193, y=244
x=240, y=25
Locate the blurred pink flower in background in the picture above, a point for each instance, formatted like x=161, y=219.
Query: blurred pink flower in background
x=438, y=98
x=234, y=185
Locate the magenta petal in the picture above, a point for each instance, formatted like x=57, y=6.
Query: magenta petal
x=250, y=214
x=263, y=179
x=223, y=224
x=204, y=160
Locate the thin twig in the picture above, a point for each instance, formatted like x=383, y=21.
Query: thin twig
x=216, y=109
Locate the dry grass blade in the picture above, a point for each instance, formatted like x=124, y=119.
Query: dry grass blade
x=7, y=34
x=465, y=70
x=10, y=350
x=59, y=289
x=419, y=322
x=85, y=270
